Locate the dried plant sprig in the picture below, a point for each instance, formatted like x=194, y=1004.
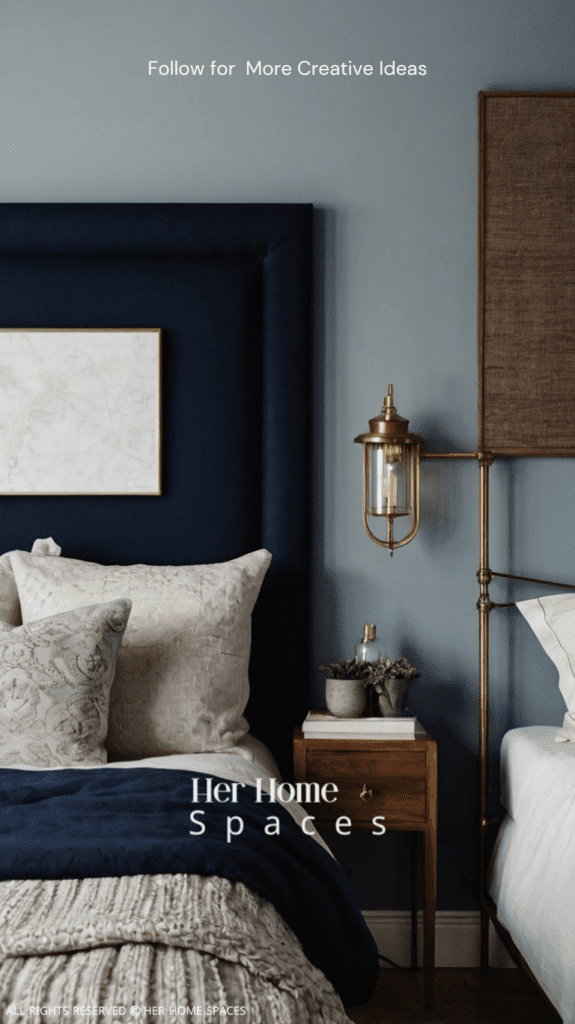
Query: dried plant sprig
x=345, y=669
x=371, y=672
x=398, y=669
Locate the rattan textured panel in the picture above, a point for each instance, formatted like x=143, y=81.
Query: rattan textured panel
x=527, y=274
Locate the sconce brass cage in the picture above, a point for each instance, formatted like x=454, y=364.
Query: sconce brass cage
x=391, y=473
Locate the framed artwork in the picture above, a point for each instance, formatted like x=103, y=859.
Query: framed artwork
x=80, y=411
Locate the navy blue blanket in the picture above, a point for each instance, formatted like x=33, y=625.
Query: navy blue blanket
x=108, y=822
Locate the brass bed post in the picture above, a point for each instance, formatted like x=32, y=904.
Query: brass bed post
x=484, y=606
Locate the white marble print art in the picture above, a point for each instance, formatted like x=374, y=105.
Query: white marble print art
x=80, y=411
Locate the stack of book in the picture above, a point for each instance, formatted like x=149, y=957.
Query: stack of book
x=321, y=725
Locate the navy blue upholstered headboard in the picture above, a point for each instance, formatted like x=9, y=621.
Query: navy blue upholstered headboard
x=230, y=287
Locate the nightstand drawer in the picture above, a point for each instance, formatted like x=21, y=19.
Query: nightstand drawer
x=393, y=784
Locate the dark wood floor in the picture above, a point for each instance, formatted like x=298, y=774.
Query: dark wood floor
x=462, y=996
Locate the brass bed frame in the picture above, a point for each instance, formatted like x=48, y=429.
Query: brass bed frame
x=485, y=575
x=485, y=606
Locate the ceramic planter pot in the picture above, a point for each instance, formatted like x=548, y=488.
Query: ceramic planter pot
x=391, y=701
x=345, y=698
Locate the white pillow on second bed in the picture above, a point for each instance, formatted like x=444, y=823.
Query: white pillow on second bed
x=552, y=619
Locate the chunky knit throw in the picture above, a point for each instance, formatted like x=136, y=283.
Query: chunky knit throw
x=190, y=946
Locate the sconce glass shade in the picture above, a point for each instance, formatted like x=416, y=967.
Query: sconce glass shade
x=388, y=481
x=391, y=457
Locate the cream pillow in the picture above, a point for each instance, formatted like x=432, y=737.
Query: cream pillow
x=55, y=680
x=181, y=681
x=9, y=603
x=552, y=619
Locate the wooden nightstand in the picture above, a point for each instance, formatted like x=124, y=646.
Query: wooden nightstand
x=396, y=779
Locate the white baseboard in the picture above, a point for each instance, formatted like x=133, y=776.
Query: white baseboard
x=456, y=938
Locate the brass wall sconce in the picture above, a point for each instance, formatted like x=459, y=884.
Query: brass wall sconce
x=391, y=473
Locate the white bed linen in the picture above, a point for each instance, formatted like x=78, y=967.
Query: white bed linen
x=533, y=867
x=245, y=762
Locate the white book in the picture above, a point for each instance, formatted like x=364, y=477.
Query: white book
x=322, y=725
x=351, y=735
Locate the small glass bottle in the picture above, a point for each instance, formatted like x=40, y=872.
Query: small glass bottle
x=369, y=647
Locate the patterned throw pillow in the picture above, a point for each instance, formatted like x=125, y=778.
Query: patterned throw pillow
x=181, y=682
x=55, y=680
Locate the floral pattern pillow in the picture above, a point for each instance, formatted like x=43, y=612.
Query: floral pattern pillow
x=55, y=681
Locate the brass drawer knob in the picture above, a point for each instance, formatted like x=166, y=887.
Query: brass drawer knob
x=366, y=794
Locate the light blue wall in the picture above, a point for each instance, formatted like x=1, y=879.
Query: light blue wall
x=390, y=163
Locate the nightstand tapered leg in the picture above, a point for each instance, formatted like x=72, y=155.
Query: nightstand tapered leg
x=430, y=875
x=414, y=897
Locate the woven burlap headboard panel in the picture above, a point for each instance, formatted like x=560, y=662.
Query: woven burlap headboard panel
x=527, y=273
